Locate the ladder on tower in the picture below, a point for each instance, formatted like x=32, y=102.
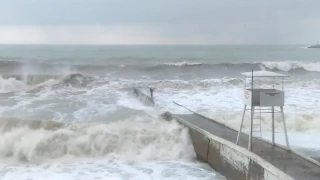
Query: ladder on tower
x=257, y=122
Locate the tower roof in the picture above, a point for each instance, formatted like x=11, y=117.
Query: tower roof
x=263, y=74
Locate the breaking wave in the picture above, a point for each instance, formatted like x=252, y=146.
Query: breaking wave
x=8, y=124
x=11, y=85
x=183, y=63
x=191, y=74
x=18, y=83
x=125, y=140
x=291, y=66
x=31, y=83
x=286, y=66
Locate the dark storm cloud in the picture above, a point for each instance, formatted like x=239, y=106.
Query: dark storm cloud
x=87, y=12
x=251, y=21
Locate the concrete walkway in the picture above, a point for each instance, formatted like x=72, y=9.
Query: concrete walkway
x=290, y=163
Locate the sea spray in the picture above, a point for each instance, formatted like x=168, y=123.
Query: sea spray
x=124, y=140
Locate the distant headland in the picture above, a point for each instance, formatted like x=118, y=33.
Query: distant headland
x=315, y=46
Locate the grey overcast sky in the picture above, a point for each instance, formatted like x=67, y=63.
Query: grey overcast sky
x=160, y=21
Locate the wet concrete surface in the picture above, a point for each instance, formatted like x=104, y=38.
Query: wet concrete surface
x=290, y=163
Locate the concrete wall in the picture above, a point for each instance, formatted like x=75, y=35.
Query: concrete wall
x=147, y=100
x=230, y=160
x=227, y=158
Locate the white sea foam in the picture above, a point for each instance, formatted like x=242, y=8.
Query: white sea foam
x=121, y=150
x=225, y=104
x=60, y=101
x=80, y=101
x=11, y=85
x=138, y=148
x=126, y=140
x=110, y=169
x=183, y=63
x=94, y=128
x=215, y=98
x=292, y=65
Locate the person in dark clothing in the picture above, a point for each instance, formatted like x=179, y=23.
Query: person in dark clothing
x=151, y=92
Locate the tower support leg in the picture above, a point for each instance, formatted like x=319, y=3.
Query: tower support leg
x=272, y=111
x=240, y=129
x=250, y=136
x=284, y=127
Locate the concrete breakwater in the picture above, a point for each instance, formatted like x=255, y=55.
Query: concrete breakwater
x=145, y=99
x=230, y=160
x=227, y=158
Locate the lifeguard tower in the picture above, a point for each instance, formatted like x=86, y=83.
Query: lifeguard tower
x=263, y=100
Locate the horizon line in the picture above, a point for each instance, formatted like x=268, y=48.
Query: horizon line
x=142, y=44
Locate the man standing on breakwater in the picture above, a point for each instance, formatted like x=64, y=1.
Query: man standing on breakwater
x=151, y=92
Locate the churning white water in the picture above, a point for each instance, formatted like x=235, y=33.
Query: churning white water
x=80, y=127
x=68, y=112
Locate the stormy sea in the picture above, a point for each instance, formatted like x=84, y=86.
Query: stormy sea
x=69, y=111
